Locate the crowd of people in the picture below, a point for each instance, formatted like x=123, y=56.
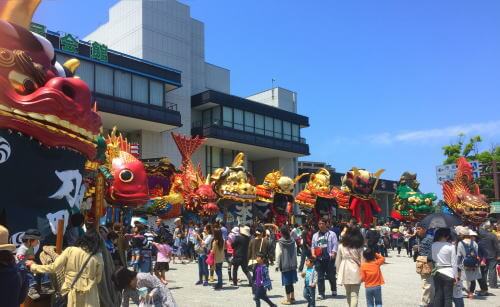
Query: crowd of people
x=451, y=262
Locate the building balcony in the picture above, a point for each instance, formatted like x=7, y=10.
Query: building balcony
x=129, y=115
x=256, y=146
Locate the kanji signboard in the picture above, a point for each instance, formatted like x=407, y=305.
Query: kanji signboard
x=99, y=52
x=447, y=172
x=69, y=43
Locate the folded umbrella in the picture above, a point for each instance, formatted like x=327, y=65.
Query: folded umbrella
x=440, y=220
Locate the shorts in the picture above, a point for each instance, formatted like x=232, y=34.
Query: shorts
x=136, y=252
x=162, y=266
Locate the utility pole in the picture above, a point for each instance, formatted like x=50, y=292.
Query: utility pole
x=272, y=88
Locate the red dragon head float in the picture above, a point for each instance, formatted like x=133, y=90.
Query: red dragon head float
x=129, y=186
x=277, y=191
x=356, y=194
x=316, y=196
x=197, y=192
x=48, y=127
x=463, y=195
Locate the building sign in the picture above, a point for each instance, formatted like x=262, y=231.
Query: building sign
x=69, y=43
x=38, y=29
x=447, y=172
x=99, y=52
x=495, y=207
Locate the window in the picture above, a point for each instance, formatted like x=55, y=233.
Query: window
x=227, y=115
x=277, y=129
x=86, y=73
x=227, y=156
x=104, y=80
x=122, y=84
x=216, y=157
x=238, y=119
x=269, y=126
x=216, y=116
x=249, y=121
x=259, y=124
x=156, y=91
x=287, y=130
x=295, y=132
x=213, y=159
x=139, y=89
x=207, y=118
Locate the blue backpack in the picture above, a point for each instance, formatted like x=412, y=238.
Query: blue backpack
x=470, y=259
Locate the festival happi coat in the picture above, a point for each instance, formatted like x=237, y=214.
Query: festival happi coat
x=409, y=203
x=188, y=186
x=48, y=126
x=234, y=186
x=316, y=196
x=276, y=193
x=463, y=197
x=356, y=194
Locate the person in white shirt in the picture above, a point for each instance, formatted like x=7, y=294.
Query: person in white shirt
x=445, y=258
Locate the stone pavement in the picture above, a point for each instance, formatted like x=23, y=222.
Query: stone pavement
x=402, y=288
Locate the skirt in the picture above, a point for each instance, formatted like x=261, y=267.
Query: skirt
x=162, y=266
x=289, y=277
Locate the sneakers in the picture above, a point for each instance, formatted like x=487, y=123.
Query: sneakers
x=211, y=279
x=33, y=294
x=286, y=302
x=321, y=297
x=334, y=293
x=205, y=283
x=218, y=287
x=199, y=282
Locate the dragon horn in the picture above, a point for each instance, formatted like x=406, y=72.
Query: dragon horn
x=297, y=178
x=207, y=180
x=377, y=176
x=238, y=160
x=19, y=12
x=356, y=172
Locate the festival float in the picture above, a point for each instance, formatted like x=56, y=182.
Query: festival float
x=463, y=197
x=357, y=194
x=316, y=198
x=275, y=197
x=234, y=186
x=48, y=126
x=411, y=205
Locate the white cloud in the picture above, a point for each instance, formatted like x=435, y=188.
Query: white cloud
x=491, y=128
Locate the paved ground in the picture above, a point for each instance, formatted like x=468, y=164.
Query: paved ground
x=402, y=288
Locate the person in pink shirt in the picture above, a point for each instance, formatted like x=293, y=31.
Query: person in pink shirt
x=162, y=259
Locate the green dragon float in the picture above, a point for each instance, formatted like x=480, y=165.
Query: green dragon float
x=409, y=203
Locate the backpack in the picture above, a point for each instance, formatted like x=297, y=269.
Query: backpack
x=470, y=259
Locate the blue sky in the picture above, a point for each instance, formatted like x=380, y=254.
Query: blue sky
x=385, y=83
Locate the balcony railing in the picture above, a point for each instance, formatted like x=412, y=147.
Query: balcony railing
x=219, y=131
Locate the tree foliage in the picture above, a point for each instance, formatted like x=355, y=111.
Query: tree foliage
x=470, y=151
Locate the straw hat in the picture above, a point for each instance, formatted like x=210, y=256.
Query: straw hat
x=472, y=233
x=462, y=231
x=245, y=230
x=4, y=240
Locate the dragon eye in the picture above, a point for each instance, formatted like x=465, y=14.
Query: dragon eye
x=126, y=175
x=23, y=84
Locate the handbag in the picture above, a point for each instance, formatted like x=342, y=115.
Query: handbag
x=253, y=262
x=210, y=258
x=422, y=266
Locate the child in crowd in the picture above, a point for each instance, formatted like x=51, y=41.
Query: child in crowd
x=310, y=280
x=261, y=282
x=137, y=242
x=26, y=251
x=371, y=275
x=162, y=259
x=458, y=296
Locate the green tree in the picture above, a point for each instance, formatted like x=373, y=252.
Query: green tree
x=471, y=152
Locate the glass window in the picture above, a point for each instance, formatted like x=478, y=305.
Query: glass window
x=269, y=126
x=216, y=157
x=295, y=132
x=287, y=130
x=156, y=91
x=103, y=80
x=122, y=84
x=227, y=114
x=227, y=156
x=259, y=124
x=216, y=116
x=207, y=118
x=86, y=73
x=249, y=121
x=238, y=119
x=277, y=129
x=139, y=89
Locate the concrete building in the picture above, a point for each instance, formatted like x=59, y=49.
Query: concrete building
x=265, y=126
